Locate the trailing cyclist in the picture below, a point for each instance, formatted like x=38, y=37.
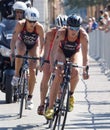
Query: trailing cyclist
x=67, y=44
x=61, y=21
x=18, y=11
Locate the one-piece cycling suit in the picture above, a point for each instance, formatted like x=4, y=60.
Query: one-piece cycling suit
x=28, y=38
x=70, y=48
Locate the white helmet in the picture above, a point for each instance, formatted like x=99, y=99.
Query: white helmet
x=19, y=5
x=28, y=3
x=32, y=14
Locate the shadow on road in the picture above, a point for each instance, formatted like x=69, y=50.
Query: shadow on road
x=27, y=127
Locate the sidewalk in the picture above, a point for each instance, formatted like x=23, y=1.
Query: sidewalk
x=91, y=108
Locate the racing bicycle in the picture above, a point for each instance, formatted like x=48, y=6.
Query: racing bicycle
x=61, y=107
x=22, y=88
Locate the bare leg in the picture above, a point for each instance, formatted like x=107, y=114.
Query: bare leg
x=74, y=75
x=32, y=70
x=21, y=49
x=32, y=80
x=54, y=89
x=44, y=83
x=74, y=80
x=57, y=80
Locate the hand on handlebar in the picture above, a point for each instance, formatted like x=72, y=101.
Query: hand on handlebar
x=85, y=73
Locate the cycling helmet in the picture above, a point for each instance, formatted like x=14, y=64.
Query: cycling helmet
x=28, y=3
x=61, y=20
x=32, y=14
x=74, y=20
x=19, y=5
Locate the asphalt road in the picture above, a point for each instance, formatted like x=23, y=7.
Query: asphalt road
x=91, y=110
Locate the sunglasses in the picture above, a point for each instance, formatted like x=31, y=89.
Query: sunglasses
x=31, y=21
x=74, y=28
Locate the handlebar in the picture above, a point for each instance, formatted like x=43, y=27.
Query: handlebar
x=27, y=57
x=73, y=65
x=24, y=57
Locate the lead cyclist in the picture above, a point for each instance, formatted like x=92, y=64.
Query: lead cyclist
x=67, y=44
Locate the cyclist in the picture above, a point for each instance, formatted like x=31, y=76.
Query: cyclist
x=60, y=22
x=28, y=32
x=19, y=8
x=67, y=45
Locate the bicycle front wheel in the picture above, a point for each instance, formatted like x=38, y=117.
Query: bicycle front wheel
x=22, y=96
x=61, y=113
x=64, y=109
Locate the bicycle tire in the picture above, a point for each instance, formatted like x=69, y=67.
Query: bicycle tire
x=22, y=95
x=66, y=109
x=53, y=121
x=61, y=113
x=26, y=91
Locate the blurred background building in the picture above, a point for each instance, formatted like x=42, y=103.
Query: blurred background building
x=50, y=9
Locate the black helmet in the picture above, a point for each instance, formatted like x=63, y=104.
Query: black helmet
x=74, y=20
x=61, y=20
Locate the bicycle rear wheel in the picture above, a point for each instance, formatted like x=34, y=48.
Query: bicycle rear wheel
x=61, y=113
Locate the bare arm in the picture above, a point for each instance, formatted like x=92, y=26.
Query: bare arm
x=49, y=38
x=14, y=37
x=46, y=45
x=85, y=47
x=54, y=48
x=41, y=40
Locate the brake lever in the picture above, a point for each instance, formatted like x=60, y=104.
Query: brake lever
x=87, y=69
